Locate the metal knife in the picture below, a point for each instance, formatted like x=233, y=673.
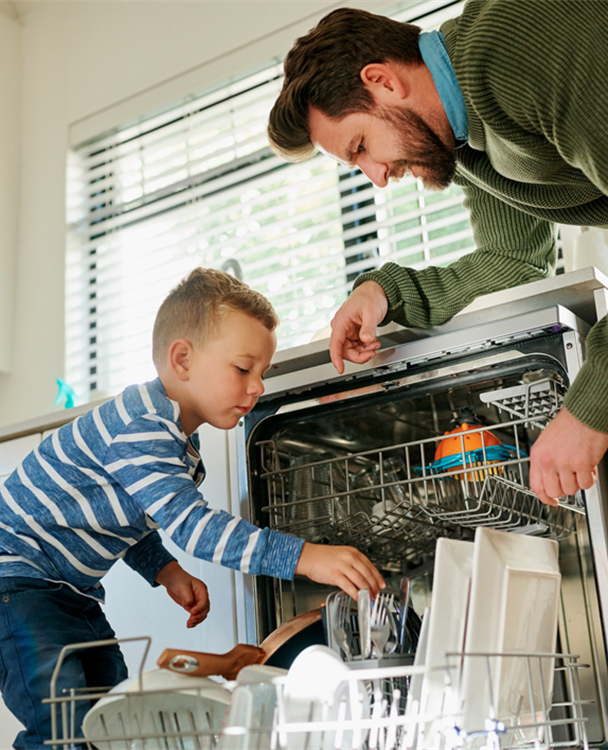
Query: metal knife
x=404, y=595
x=365, y=631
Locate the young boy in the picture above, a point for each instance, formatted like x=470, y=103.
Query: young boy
x=97, y=489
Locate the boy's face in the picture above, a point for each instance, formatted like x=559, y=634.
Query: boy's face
x=225, y=374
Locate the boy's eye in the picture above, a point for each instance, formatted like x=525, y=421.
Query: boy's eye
x=361, y=147
x=242, y=370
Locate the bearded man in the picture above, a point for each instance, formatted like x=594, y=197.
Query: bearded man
x=509, y=102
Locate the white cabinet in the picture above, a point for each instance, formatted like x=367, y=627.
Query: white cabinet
x=12, y=452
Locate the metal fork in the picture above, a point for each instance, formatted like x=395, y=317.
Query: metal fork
x=379, y=621
x=342, y=629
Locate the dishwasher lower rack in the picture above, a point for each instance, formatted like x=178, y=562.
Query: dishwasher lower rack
x=157, y=710
x=368, y=709
x=373, y=710
x=396, y=501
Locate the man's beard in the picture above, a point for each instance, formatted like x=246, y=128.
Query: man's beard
x=425, y=149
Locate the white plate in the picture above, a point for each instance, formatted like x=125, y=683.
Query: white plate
x=412, y=706
x=164, y=702
x=514, y=607
x=317, y=689
x=446, y=633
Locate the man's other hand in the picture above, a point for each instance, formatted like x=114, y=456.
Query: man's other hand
x=353, y=335
x=564, y=459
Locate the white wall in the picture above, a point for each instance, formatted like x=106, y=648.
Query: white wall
x=10, y=107
x=88, y=66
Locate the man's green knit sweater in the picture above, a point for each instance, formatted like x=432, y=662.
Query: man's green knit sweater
x=534, y=77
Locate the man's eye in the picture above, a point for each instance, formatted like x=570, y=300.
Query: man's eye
x=361, y=147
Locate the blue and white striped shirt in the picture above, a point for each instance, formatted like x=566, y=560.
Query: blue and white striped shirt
x=97, y=489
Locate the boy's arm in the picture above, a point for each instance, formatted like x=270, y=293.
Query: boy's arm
x=189, y=592
x=156, y=564
x=148, y=557
x=152, y=473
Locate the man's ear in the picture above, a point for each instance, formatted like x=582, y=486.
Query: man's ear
x=386, y=83
x=180, y=358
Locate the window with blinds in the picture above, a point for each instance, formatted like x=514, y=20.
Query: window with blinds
x=199, y=186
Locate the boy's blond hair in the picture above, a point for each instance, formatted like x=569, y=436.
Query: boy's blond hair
x=197, y=305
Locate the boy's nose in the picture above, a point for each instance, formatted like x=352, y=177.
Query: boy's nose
x=256, y=387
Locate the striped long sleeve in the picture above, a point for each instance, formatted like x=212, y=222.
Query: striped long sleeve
x=98, y=489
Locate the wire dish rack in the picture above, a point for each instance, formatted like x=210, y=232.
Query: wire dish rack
x=369, y=715
x=394, y=502
x=359, y=709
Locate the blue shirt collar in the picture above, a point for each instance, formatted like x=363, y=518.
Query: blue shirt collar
x=435, y=55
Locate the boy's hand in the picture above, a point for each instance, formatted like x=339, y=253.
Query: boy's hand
x=189, y=592
x=345, y=567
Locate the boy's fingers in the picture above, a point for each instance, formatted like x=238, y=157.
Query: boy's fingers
x=348, y=587
x=365, y=577
x=369, y=571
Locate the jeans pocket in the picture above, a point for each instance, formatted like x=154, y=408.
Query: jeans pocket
x=21, y=585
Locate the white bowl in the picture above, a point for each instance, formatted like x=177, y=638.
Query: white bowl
x=161, y=707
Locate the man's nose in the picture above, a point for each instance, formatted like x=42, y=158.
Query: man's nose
x=377, y=172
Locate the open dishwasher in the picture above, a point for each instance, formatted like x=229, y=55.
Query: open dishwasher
x=431, y=440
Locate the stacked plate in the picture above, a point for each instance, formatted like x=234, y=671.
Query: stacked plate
x=488, y=638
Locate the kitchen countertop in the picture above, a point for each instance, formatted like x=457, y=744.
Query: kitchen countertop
x=577, y=291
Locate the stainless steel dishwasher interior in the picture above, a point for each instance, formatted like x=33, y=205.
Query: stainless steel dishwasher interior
x=369, y=472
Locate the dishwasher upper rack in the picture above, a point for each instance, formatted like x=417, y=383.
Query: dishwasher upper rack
x=397, y=500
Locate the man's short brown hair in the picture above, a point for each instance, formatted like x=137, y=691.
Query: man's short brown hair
x=323, y=70
x=194, y=309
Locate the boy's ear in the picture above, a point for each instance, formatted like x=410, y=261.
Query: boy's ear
x=180, y=358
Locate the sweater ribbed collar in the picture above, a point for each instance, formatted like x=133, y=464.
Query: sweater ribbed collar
x=435, y=55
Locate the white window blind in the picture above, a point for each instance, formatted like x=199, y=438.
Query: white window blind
x=199, y=186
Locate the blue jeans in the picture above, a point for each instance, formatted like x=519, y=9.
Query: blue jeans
x=37, y=619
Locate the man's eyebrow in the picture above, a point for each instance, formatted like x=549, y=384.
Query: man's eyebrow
x=349, y=151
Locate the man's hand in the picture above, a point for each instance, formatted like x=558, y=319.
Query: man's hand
x=564, y=459
x=353, y=335
x=189, y=592
x=345, y=567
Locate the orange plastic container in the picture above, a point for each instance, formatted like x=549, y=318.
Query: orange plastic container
x=458, y=444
